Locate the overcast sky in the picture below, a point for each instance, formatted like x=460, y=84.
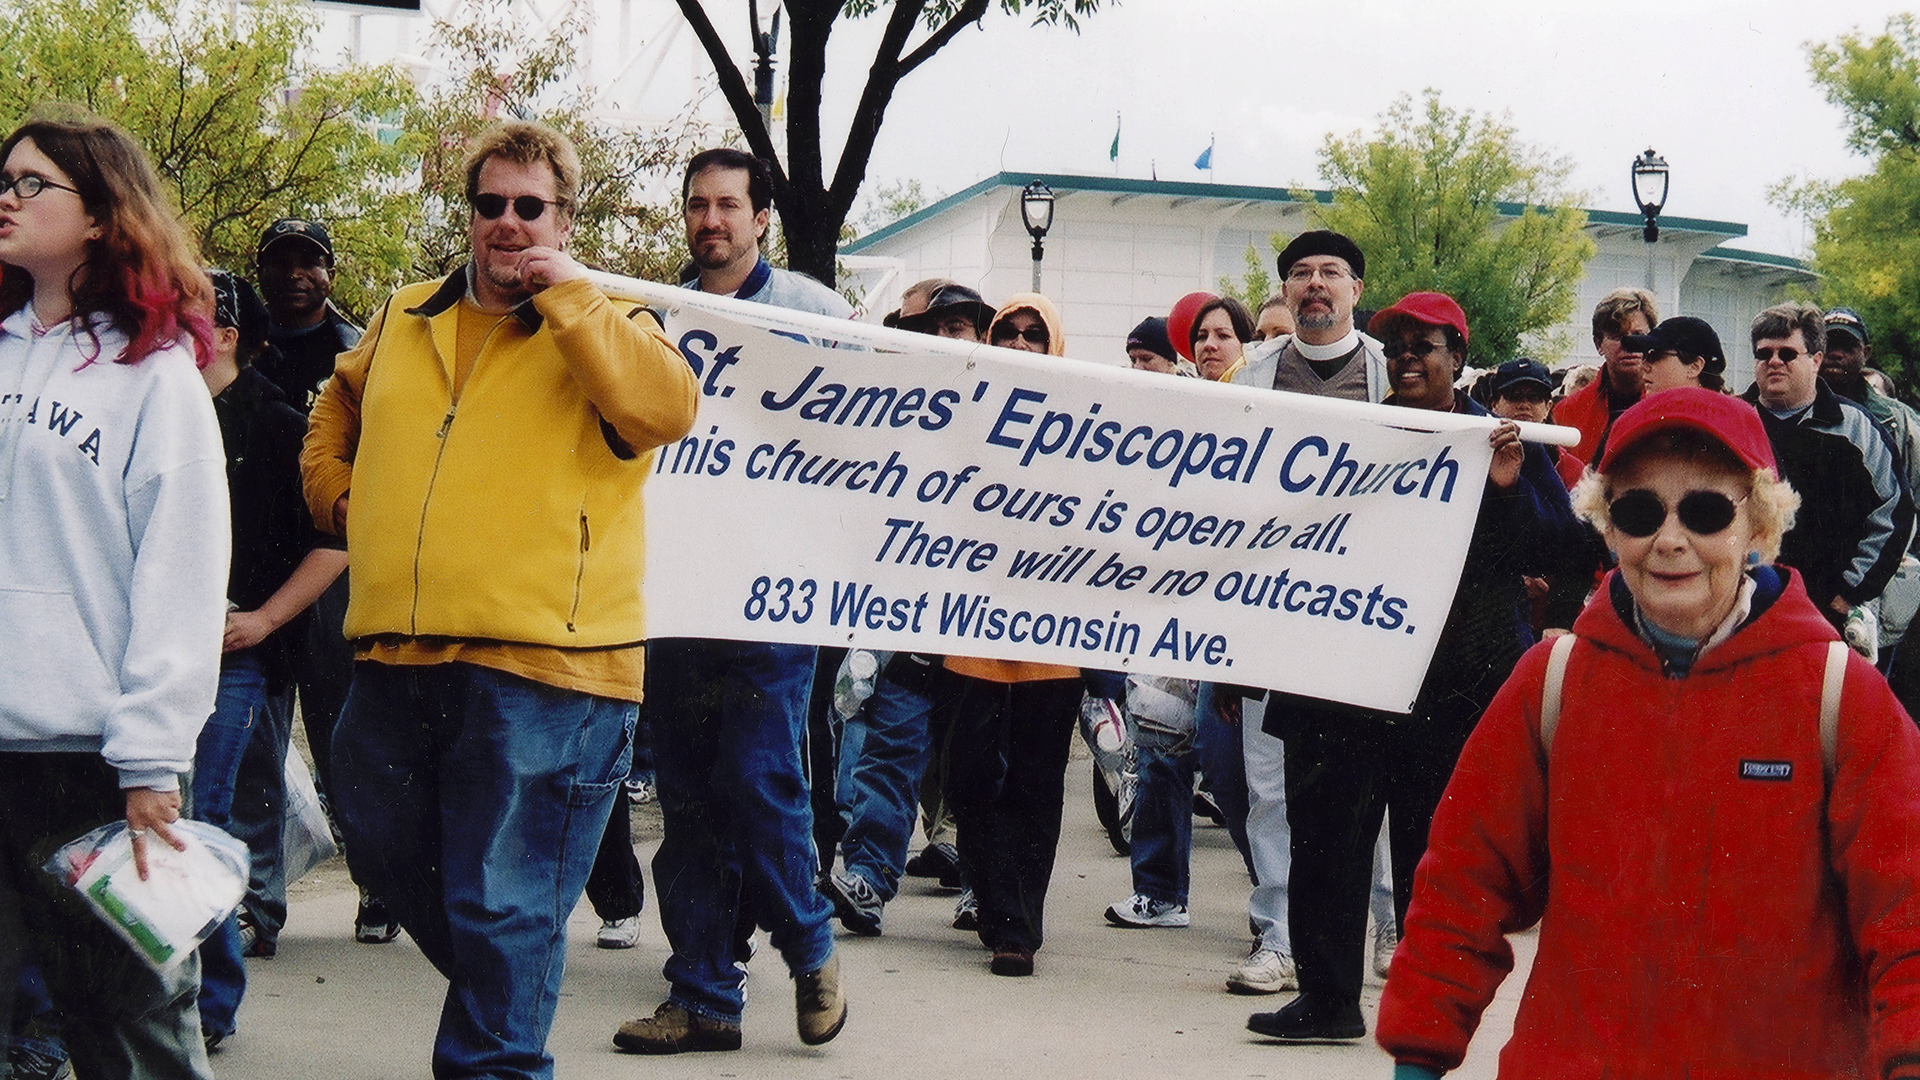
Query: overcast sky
x=1720, y=89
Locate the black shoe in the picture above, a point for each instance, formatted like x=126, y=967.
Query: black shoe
x=1011, y=962
x=1311, y=1020
x=939, y=861
x=372, y=924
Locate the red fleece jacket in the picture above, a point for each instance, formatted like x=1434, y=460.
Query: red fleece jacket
x=1700, y=915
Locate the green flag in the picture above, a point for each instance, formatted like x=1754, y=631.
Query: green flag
x=1113, y=154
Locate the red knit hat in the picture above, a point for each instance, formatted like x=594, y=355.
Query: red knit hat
x=1730, y=421
x=1180, y=320
x=1432, y=308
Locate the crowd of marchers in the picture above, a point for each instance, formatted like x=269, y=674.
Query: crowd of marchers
x=1665, y=723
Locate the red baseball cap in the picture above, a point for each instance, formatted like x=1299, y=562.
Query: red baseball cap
x=1180, y=320
x=1730, y=421
x=1432, y=308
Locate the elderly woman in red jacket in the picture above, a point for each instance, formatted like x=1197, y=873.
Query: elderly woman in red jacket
x=1713, y=816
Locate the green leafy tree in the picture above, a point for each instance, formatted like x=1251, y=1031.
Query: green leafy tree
x=494, y=69
x=889, y=203
x=244, y=129
x=1257, y=285
x=813, y=207
x=1454, y=201
x=1866, y=229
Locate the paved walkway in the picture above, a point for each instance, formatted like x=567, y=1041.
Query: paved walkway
x=1103, y=1002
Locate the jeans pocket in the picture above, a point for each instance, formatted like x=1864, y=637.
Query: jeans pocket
x=599, y=777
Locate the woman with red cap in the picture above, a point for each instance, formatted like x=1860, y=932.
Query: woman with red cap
x=1345, y=770
x=1707, y=804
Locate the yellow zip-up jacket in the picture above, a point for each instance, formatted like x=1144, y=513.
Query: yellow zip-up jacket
x=511, y=511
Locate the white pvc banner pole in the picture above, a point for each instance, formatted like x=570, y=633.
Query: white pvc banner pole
x=846, y=483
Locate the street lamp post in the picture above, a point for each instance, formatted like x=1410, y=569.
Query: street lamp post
x=1036, y=209
x=766, y=41
x=1650, y=191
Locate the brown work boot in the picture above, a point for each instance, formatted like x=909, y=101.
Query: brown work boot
x=672, y=1030
x=820, y=1006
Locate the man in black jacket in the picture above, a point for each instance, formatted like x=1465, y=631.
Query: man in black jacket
x=295, y=260
x=1855, y=515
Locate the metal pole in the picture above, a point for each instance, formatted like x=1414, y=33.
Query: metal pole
x=1037, y=252
x=1650, y=245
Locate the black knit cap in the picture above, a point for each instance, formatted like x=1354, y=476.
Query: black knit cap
x=1323, y=242
x=1151, y=335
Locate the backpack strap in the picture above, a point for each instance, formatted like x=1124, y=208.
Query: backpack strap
x=1830, y=687
x=1550, y=691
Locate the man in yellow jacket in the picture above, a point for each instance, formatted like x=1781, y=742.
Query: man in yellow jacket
x=491, y=433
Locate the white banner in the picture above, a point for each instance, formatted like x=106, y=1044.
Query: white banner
x=907, y=492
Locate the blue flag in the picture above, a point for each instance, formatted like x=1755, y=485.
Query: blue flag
x=1205, y=160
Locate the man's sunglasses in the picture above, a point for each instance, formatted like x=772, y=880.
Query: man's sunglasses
x=1640, y=513
x=525, y=207
x=1787, y=355
x=1034, y=335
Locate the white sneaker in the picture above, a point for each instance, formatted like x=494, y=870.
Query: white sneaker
x=1264, y=971
x=1385, y=940
x=619, y=933
x=1138, y=913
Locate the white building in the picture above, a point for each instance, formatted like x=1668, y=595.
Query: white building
x=1122, y=249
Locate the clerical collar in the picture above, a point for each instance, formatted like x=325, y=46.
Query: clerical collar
x=1335, y=351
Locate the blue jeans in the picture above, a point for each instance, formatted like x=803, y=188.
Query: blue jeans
x=1162, y=837
x=258, y=818
x=727, y=721
x=1223, y=762
x=239, y=705
x=884, y=755
x=472, y=802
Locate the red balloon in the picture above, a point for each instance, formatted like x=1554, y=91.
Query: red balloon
x=1180, y=320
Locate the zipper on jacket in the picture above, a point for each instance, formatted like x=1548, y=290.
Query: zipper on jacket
x=579, y=572
x=426, y=501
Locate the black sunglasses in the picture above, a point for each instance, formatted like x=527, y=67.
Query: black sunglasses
x=1787, y=355
x=1419, y=349
x=1640, y=513
x=525, y=207
x=1035, y=335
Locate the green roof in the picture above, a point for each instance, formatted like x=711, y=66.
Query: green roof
x=1120, y=185
x=1760, y=258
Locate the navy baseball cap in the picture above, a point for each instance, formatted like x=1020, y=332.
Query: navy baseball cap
x=286, y=229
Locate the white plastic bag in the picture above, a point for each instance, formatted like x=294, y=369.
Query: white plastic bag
x=306, y=840
x=186, y=894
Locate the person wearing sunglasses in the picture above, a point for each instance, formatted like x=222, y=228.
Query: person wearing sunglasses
x=1709, y=812
x=1011, y=724
x=1858, y=515
x=1347, y=769
x=483, y=449
x=1030, y=323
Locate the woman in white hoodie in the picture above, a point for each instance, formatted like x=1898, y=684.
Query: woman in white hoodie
x=113, y=563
